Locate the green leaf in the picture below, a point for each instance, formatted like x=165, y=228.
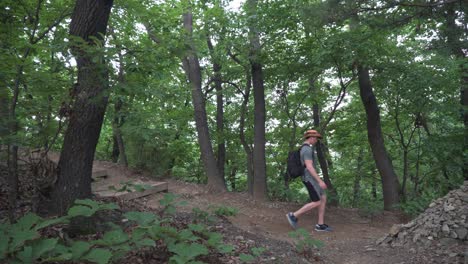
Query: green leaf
x=246, y=258
x=26, y=222
x=87, y=202
x=167, y=199
x=79, y=248
x=196, y=228
x=139, y=233
x=214, y=239
x=187, y=235
x=188, y=251
x=142, y=218
x=114, y=237
x=145, y=243
x=225, y=249
x=20, y=237
x=26, y=255
x=257, y=251
x=79, y=210
x=42, y=246
x=53, y=221
x=59, y=253
x=98, y=255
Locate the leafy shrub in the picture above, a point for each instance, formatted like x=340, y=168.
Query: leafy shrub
x=304, y=241
x=225, y=211
x=22, y=242
x=256, y=252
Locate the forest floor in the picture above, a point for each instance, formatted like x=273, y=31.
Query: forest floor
x=353, y=239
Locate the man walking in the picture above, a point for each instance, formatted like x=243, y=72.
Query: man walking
x=315, y=186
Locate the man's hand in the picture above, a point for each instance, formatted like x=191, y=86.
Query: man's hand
x=322, y=185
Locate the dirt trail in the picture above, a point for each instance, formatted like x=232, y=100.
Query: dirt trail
x=352, y=241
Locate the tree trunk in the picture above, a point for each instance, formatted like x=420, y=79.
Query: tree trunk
x=89, y=22
x=243, y=140
x=374, y=185
x=115, y=149
x=221, y=153
x=193, y=72
x=260, y=191
x=390, y=184
x=119, y=118
x=357, y=178
x=320, y=151
x=405, y=174
x=454, y=36
x=117, y=133
x=12, y=155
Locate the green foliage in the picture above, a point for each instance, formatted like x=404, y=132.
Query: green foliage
x=225, y=211
x=304, y=241
x=256, y=252
x=203, y=216
x=186, y=253
x=169, y=203
x=22, y=242
x=413, y=207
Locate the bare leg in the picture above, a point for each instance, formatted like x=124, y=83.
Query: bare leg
x=321, y=209
x=306, y=207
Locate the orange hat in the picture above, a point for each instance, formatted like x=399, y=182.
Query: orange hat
x=312, y=133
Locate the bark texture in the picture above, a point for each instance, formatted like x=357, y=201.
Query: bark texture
x=390, y=184
x=89, y=23
x=193, y=72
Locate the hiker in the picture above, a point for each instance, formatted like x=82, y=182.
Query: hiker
x=315, y=186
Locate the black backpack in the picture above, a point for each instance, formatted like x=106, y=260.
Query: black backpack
x=295, y=167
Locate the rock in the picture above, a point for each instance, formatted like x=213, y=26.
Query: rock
x=445, y=229
x=442, y=226
x=461, y=232
x=448, y=207
x=409, y=225
x=446, y=241
x=382, y=240
x=395, y=230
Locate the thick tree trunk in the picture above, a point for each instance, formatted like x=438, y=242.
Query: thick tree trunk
x=390, y=182
x=260, y=191
x=89, y=22
x=193, y=72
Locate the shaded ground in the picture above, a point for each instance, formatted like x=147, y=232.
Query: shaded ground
x=264, y=223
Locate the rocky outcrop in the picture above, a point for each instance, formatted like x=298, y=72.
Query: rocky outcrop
x=442, y=230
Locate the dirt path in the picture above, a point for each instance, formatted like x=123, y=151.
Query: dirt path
x=352, y=241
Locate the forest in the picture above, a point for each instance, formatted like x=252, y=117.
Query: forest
x=218, y=92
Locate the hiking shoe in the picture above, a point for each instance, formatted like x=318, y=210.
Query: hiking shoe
x=323, y=228
x=292, y=220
